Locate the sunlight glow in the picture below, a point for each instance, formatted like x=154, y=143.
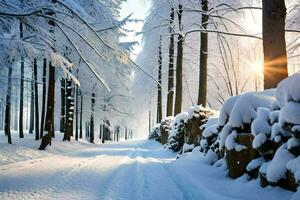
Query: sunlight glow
x=257, y=67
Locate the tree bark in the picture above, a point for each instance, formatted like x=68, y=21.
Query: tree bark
x=274, y=45
x=81, y=108
x=49, y=123
x=8, y=107
x=69, y=112
x=179, y=62
x=44, y=98
x=21, y=111
x=63, y=105
x=202, y=93
x=36, y=100
x=76, y=112
x=170, y=97
x=92, y=118
x=21, y=133
x=159, y=88
x=31, y=118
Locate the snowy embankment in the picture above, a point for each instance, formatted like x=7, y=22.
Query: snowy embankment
x=125, y=170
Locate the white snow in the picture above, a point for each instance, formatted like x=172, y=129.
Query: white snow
x=231, y=144
x=226, y=110
x=209, y=131
x=259, y=139
x=278, y=166
x=244, y=110
x=261, y=124
x=290, y=113
x=223, y=135
x=129, y=170
x=288, y=90
x=294, y=167
x=293, y=142
x=255, y=163
x=274, y=116
x=188, y=147
x=211, y=157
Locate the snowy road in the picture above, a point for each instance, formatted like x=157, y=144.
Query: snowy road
x=132, y=170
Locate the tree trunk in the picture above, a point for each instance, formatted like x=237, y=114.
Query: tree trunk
x=8, y=107
x=44, y=98
x=103, y=134
x=21, y=133
x=49, y=123
x=178, y=94
x=159, y=88
x=92, y=118
x=81, y=108
x=69, y=112
x=63, y=105
x=36, y=101
x=31, y=120
x=76, y=112
x=274, y=45
x=170, y=97
x=202, y=93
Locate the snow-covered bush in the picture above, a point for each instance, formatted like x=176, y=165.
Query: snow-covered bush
x=155, y=133
x=165, y=126
x=284, y=168
x=197, y=116
x=177, y=132
x=238, y=143
x=261, y=129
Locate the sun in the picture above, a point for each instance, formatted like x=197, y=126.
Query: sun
x=257, y=67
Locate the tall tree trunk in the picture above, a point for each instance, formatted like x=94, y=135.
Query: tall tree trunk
x=31, y=118
x=170, y=97
x=103, y=133
x=76, y=112
x=21, y=110
x=49, y=123
x=69, y=112
x=8, y=106
x=202, y=93
x=92, y=118
x=44, y=98
x=274, y=45
x=63, y=105
x=159, y=88
x=16, y=108
x=178, y=94
x=36, y=101
x=21, y=133
x=81, y=109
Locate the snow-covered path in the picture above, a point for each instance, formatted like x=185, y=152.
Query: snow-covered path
x=130, y=170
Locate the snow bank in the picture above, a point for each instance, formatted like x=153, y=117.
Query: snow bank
x=244, y=110
x=278, y=166
x=290, y=113
x=288, y=90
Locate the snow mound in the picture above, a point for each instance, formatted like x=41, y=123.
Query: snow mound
x=278, y=166
x=226, y=110
x=290, y=113
x=289, y=90
x=244, y=110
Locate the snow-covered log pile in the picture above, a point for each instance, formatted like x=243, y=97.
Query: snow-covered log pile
x=259, y=134
x=155, y=133
x=197, y=116
x=165, y=128
x=182, y=129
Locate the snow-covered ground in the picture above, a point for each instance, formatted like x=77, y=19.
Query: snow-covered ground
x=126, y=170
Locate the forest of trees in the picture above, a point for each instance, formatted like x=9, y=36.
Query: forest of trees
x=63, y=68
x=183, y=25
